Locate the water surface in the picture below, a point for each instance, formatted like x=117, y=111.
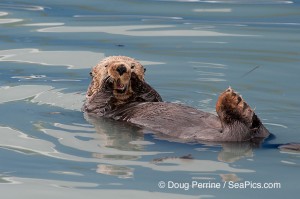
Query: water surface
x=192, y=51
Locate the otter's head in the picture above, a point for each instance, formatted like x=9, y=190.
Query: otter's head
x=115, y=70
x=119, y=73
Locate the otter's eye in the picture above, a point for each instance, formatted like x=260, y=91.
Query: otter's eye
x=132, y=66
x=106, y=65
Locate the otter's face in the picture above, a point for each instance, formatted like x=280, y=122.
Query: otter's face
x=119, y=74
x=100, y=74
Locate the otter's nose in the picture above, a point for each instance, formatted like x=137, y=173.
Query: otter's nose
x=121, y=69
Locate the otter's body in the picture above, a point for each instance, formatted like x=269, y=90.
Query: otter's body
x=119, y=91
x=172, y=120
x=181, y=122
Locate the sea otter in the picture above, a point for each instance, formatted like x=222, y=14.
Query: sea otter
x=118, y=91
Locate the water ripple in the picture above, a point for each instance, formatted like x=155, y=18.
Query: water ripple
x=72, y=59
x=139, y=31
x=21, y=92
x=8, y=21
x=234, y=1
x=22, y=7
x=128, y=16
x=3, y=14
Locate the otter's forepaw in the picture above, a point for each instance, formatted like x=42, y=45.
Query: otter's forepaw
x=231, y=107
x=143, y=91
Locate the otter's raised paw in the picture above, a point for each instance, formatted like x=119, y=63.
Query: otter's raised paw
x=231, y=107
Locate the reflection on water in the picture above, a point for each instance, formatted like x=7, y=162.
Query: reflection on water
x=72, y=59
x=16, y=93
x=236, y=1
x=192, y=51
x=138, y=31
x=21, y=7
x=232, y=152
x=117, y=135
x=114, y=170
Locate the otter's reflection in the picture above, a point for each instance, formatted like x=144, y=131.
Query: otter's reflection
x=234, y=151
x=229, y=177
x=230, y=151
x=117, y=135
x=115, y=170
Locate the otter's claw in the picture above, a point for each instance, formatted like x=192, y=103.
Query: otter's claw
x=231, y=107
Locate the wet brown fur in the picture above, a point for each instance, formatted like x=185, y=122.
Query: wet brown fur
x=140, y=105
